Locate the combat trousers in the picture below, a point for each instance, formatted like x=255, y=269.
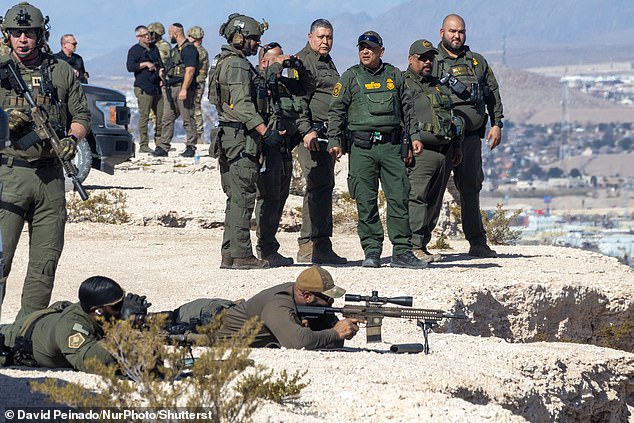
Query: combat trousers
x=238, y=177
x=428, y=181
x=198, y=112
x=468, y=177
x=146, y=103
x=366, y=167
x=273, y=189
x=171, y=112
x=319, y=171
x=40, y=193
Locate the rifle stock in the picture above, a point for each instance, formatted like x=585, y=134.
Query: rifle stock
x=43, y=127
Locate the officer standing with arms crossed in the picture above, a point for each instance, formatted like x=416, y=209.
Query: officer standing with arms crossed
x=371, y=101
x=179, y=78
x=196, y=35
x=234, y=86
x=474, y=89
x=318, y=166
x=441, y=134
x=31, y=177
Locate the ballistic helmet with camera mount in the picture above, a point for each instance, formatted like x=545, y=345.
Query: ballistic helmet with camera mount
x=25, y=16
x=238, y=27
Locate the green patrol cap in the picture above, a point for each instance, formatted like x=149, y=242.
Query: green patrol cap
x=419, y=47
x=371, y=38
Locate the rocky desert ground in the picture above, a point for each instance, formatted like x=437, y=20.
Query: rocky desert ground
x=548, y=335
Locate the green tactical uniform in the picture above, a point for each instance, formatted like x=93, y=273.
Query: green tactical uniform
x=373, y=104
x=32, y=180
x=175, y=72
x=471, y=68
x=62, y=335
x=234, y=96
x=317, y=166
x=431, y=170
x=164, y=49
x=276, y=172
x=203, y=69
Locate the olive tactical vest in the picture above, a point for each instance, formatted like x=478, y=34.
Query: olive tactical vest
x=176, y=68
x=379, y=102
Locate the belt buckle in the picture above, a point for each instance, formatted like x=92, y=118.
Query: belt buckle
x=376, y=137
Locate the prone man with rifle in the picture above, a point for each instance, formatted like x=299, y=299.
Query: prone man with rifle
x=48, y=114
x=280, y=105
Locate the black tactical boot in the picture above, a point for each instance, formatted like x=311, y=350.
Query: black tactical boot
x=372, y=259
x=407, y=260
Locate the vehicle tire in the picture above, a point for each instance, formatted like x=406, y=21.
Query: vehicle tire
x=83, y=160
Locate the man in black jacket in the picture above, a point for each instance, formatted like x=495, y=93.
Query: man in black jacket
x=145, y=62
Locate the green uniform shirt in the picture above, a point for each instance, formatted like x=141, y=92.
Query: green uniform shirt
x=324, y=76
x=236, y=78
x=63, y=339
x=470, y=67
x=73, y=104
x=276, y=308
x=347, y=94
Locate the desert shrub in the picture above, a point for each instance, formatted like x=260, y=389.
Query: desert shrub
x=498, y=227
x=441, y=243
x=102, y=207
x=160, y=373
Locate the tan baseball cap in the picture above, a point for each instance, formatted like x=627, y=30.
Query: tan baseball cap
x=317, y=279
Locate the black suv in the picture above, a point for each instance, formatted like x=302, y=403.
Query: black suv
x=108, y=143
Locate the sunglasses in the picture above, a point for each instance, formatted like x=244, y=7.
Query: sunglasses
x=255, y=38
x=74, y=44
x=270, y=46
x=147, y=34
x=369, y=38
x=326, y=298
x=422, y=58
x=17, y=32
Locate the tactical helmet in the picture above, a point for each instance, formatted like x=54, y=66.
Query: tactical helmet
x=25, y=16
x=243, y=25
x=196, y=32
x=99, y=291
x=156, y=27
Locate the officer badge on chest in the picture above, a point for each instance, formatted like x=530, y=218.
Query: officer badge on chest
x=389, y=84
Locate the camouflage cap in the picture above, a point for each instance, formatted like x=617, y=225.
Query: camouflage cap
x=371, y=38
x=421, y=47
x=317, y=279
x=156, y=27
x=196, y=32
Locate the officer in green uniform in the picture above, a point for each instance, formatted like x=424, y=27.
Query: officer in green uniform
x=31, y=177
x=441, y=134
x=179, y=78
x=371, y=101
x=317, y=165
x=234, y=88
x=284, y=114
x=156, y=31
x=69, y=334
x=196, y=35
x=474, y=92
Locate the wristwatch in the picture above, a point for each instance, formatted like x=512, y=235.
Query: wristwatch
x=499, y=124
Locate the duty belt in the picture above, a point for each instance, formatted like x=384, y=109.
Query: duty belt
x=234, y=125
x=36, y=164
x=393, y=137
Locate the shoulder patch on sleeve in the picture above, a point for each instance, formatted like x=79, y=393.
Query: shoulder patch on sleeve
x=79, y=328
x=76, y=340
x=336, y=90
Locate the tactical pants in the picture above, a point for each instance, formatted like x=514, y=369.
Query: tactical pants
x=198, y=112
x=428, y=181
x=273, y=189
x=468, y=177
x=238, y=177
x=319, y=171
x=171, y=112
x=366, y=167
x=40, y=193
x=147, y=103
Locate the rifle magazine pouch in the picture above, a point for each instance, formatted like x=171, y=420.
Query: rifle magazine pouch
x=215, y=146
x=27, y=141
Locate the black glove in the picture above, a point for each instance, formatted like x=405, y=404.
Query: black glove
x=133, y=305
x=273, y=138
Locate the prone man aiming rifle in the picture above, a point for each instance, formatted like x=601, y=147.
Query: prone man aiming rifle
x=42, y=125
x=374, y=311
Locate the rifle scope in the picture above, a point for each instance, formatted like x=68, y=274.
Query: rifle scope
x=374, y=298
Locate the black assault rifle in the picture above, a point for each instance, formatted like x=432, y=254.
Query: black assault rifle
x=42, y=126
x=373, y=313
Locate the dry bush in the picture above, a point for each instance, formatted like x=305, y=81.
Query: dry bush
x=498, y=227
x=160, y=375
x=103, y=207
